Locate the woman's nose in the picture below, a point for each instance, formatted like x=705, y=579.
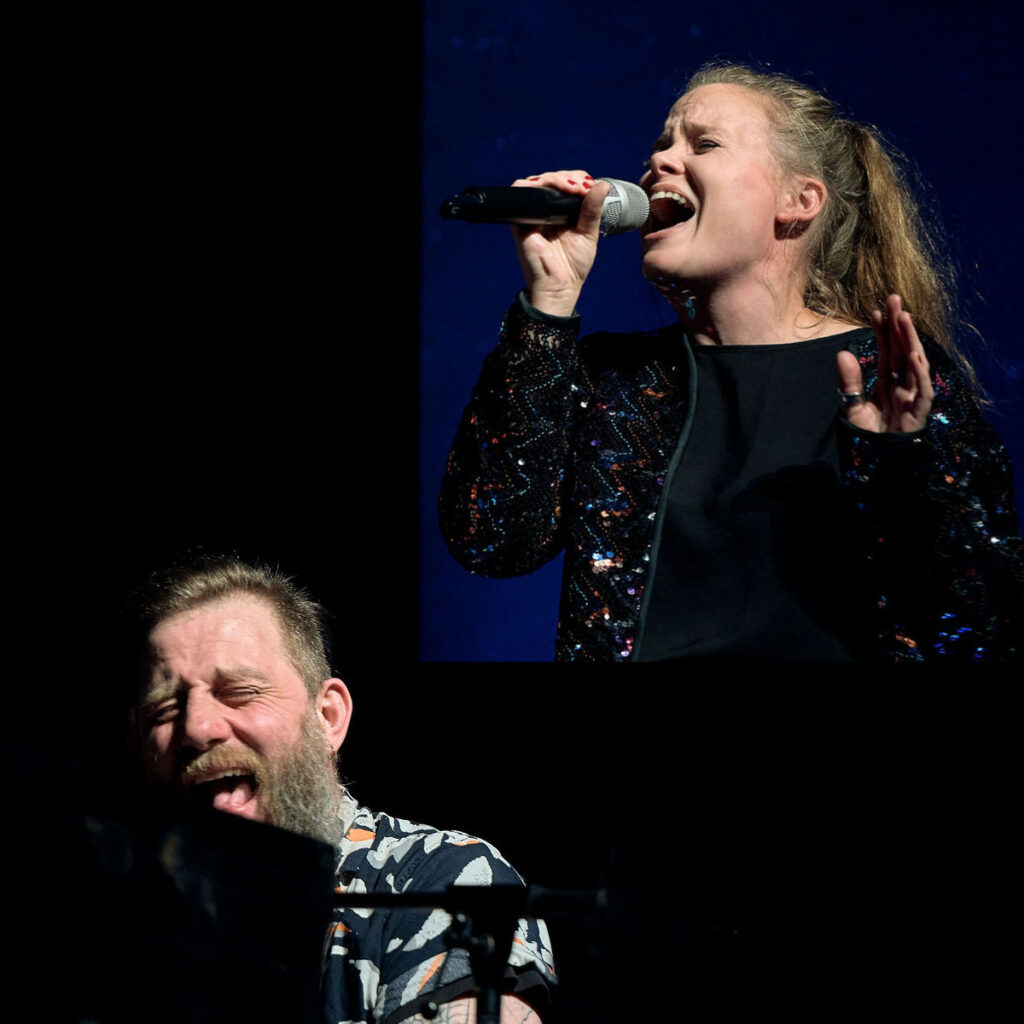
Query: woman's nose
x=668, y=161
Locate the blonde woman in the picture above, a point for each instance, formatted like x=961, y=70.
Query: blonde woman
x=715, y=496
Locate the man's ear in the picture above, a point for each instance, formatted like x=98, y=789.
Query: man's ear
x=803, y=202
x=334, y=706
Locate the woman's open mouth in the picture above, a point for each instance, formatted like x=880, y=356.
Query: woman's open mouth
x=669, y=209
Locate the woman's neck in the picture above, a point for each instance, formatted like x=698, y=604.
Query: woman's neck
x=751, y=315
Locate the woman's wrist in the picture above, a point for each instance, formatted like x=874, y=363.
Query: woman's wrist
x=550, y=310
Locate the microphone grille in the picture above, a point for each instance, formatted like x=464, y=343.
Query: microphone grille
x=625, y=208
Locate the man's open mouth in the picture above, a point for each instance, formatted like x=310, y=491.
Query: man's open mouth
x=230, y=789
x=669, y=209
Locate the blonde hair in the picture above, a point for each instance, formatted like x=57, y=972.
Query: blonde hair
x=871, y=239
x=202, y=580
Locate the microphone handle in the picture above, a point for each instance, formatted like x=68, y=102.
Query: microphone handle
x=508, y=205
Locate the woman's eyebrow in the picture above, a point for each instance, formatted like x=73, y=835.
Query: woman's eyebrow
x=691, y=127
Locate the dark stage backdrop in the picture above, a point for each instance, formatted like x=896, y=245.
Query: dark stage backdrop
x=512, y=90
x=201, y=279
x=231, y=264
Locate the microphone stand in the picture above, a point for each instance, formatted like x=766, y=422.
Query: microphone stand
x=484, y=919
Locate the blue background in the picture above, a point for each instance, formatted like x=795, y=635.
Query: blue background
x=511, y=90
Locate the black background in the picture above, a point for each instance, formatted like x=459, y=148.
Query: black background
x=213, y=350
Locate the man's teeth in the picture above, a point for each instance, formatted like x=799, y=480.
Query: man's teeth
x=225, y=774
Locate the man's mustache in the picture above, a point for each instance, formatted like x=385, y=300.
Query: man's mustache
x=205, y=764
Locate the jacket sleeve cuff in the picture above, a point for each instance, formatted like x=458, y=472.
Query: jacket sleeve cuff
x=874, y=436
x=534, y=313
x=899, y=464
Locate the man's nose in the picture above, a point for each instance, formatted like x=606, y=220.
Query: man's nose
x=203, y=724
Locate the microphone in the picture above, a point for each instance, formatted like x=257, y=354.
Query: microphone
x=625, y=207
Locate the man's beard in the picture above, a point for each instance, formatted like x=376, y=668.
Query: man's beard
x=300, y=791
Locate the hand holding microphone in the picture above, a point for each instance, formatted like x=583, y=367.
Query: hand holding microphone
x=557, y=219
x=625, y=207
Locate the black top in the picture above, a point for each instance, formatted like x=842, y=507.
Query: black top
x=751, y=561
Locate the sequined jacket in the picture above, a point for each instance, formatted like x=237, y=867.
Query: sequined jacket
x=567, y=444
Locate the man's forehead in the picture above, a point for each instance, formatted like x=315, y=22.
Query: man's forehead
x=232, y=632
x=235, y=617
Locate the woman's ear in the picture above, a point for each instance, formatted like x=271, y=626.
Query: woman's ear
x=803, y=202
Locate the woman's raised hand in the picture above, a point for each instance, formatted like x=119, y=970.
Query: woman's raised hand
x=556, y=260
x=903, y=392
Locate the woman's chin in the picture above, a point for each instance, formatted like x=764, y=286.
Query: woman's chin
x=662, y=273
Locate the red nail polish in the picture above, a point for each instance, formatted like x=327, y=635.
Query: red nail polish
x=571, y=182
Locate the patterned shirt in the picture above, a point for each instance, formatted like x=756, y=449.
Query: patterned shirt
x=384, y=965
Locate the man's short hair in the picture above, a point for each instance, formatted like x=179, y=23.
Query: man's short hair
x=209, y=578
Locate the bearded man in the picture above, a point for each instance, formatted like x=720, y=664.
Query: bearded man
x=239, y=710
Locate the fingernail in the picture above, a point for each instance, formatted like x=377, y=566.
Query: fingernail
x=588, y=184
x=536, y=177
x=571, y=182
x=589, y=178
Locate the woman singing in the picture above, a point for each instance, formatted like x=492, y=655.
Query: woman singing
x=714, y=494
